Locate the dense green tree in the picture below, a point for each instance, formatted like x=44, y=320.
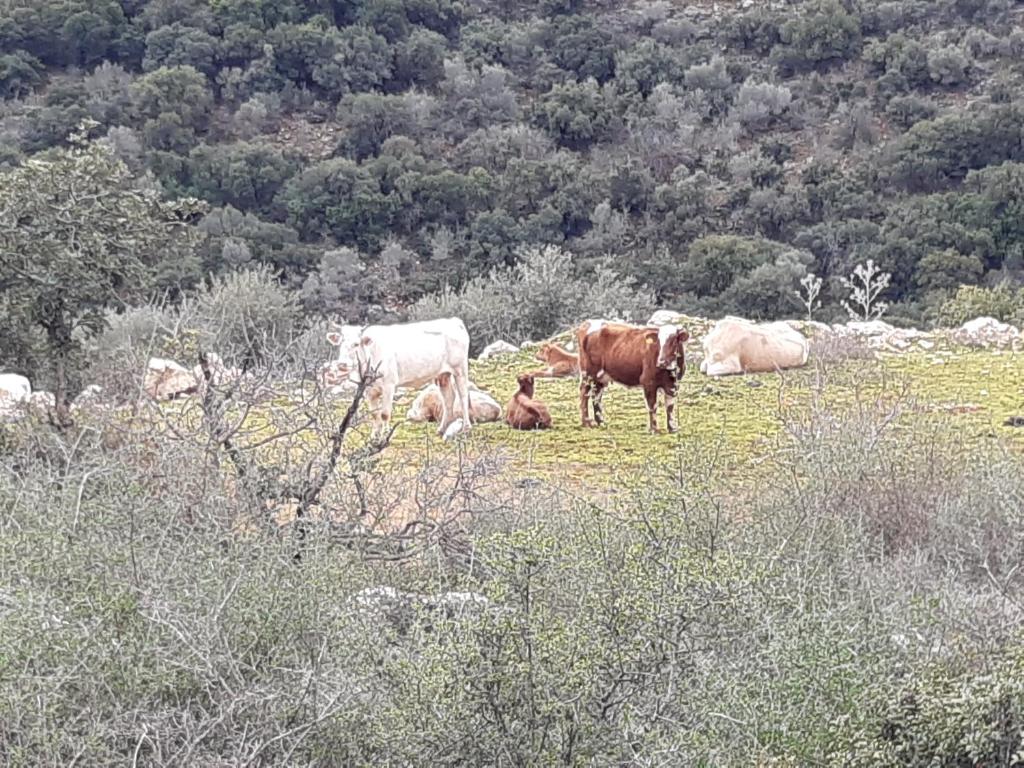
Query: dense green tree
x=245, y=175
x=822, y=33
x=579, y=45
x=341, y=199
x=78, y=236
x=640, y=68
x=934, y=153
x=369, y=119
x=176, y=103
x=716, y=261
x=179, y=45
x=20, y=74
x=419, y=59
x=577, y=114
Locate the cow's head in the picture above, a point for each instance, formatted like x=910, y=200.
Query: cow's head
x=353, y=353
x=671, y=339
x=544, y=351
x=525, y=381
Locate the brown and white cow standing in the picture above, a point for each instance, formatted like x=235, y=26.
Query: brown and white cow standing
x=633, y=356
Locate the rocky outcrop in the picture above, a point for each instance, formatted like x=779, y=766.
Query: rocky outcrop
x=986, y=332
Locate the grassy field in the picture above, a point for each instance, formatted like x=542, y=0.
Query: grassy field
x=736, y=417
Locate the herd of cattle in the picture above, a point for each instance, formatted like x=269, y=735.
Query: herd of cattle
x=435, y=354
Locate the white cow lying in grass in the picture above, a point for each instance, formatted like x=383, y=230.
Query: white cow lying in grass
x=740, y=346
x=429, y=406
x=408, y=355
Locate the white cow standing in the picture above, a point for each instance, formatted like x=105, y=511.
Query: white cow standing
x=408, y=355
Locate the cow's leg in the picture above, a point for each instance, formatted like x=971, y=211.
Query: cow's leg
x=444, y=383
x=462, y=390
x=598, y=395
x=586, y=385
x=651, y=395
x=382, y=403
x=670, y=406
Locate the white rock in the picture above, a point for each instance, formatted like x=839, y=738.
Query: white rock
x=89, y=398
x=663, y=317
x=986, y=331
x=496, y=348
x=40, y=401
x=870, y=327
x=14, y=388
x=220, y=374
x=987, y=325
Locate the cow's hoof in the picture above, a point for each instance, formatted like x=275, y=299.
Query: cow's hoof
x=588, y=423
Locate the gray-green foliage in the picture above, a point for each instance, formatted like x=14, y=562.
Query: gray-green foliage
x=542, y=295
x=244, y=316
x=79, y=235
x=859, y=608
x=1003, y=302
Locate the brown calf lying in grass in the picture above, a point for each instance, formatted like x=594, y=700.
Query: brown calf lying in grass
x=523, y=412
x=561, y=363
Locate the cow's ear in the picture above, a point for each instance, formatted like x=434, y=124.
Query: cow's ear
x=366, y=341
x=334, y=338
x=683, y=336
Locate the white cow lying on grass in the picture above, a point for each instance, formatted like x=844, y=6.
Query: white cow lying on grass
x=408, y=355
x=740, y=346
x=429, y=406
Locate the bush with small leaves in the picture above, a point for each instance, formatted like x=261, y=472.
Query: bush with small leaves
x=247, y=317
x=543, y=294
x=948, y=66
x=577, y=115
x=759, y=105
x=1004, y=302
x=823, y=33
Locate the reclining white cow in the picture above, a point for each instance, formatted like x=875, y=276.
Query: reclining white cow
x=408, y=355
x=740, y=346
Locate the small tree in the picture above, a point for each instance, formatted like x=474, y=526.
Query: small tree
x=77, y=236
x=865, y=285
x=810, y=287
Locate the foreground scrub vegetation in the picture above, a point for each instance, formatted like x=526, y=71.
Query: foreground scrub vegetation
x=834, y=582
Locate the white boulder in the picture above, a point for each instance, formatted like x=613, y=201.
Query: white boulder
x=496, y=348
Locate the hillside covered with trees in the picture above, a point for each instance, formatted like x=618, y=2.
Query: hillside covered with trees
x=821, y=567
x=375, y=151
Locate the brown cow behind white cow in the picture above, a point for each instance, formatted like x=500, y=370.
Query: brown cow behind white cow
x=740, y=346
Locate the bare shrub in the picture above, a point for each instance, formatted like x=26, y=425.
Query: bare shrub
x=243, y=316
x=829, y=348
x=542, y=295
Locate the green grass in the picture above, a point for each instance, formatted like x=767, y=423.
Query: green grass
x=734, y=417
